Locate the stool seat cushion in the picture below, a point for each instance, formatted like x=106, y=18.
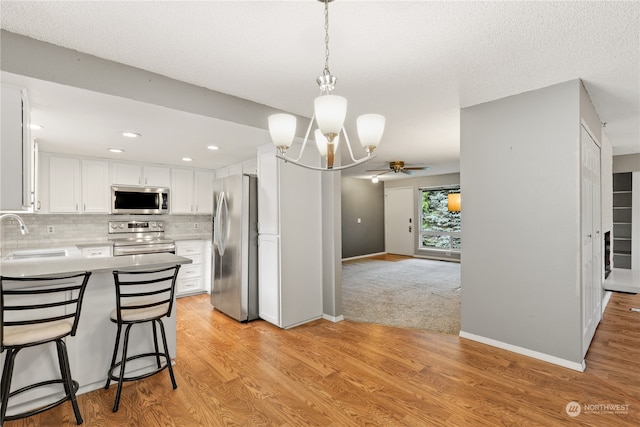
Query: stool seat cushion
x=26, y=334
x=138, y=314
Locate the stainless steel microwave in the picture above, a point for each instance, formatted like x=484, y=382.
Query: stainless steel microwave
x=139, y=200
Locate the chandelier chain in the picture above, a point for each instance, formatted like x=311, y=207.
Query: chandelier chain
x=326, y=71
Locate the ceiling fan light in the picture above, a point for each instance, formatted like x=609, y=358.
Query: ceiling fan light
x=370, y=130
x=330, y=111
x=375, y=179
x=282, y=128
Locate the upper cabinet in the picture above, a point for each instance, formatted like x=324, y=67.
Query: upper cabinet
x=17, y=152
x=133, y=174
x=191, y=192
x=203, y=192
x=77, y=186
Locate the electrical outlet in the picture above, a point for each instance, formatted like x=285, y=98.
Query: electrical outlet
x=195, y=225
x=51, y=229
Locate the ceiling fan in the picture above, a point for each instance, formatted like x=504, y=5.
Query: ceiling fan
x=398, y=166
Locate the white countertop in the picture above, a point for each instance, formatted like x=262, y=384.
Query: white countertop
x=69, y=265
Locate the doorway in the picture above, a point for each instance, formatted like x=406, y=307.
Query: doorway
x=399, y=221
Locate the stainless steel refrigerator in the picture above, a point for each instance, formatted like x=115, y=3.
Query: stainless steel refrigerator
x=235, y=247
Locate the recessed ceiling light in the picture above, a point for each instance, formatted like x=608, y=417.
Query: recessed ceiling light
x=116, y=150
x=212, y=147
x=36, y=126
x=131, y=134
x=186, y=159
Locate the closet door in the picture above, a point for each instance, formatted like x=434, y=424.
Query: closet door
x=592, y=239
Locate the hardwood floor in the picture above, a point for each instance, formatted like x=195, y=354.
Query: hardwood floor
x=354, y=374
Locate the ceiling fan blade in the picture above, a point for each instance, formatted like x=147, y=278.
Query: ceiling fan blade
x=417, y=168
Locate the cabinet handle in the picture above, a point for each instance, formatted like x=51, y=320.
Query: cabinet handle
x=145, y=181
x=84, y=207
x=76, y=207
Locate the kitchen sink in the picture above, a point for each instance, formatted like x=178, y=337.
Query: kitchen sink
x=46, y=253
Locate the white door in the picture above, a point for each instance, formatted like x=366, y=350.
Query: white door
x=592, y=264
x=398, y=220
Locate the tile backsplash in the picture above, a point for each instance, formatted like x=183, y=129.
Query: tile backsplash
x=49, y=230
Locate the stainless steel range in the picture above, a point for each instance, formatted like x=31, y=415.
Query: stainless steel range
x=139, y=237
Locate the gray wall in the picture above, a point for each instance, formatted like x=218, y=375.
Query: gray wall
x=520, y=177
x=626, y=163
x=365, y=200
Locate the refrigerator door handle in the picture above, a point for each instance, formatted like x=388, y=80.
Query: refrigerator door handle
x=222, y=214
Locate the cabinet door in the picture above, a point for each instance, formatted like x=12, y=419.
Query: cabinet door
x=157, y=176
x=64, y=185
x=269, y=278
x=126, y=174
x=268, y=193
x=181, y=191
x=204, y=192
x=15, y=150
x=95, y=186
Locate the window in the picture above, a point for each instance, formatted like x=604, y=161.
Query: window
x=439, y=227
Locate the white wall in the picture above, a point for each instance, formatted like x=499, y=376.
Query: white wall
x=521, y=263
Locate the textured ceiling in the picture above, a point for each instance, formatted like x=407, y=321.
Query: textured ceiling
x=415, y=62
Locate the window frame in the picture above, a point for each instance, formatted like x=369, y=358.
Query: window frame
x=422, y=232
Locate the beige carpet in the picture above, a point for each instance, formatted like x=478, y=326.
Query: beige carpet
x=414, y=293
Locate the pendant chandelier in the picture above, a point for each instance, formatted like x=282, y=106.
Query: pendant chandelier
x=330, y=112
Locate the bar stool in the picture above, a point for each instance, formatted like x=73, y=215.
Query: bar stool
x=143, y=296
x=36, y=311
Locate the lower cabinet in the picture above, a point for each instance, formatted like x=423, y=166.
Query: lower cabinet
x=192, y=277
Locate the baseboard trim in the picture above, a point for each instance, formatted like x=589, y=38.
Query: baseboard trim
x=580, y=367
x=334, y=319
x=363, y=256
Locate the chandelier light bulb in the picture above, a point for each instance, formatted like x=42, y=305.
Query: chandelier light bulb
x=282, y=128
x=370, y=130
x=330, y=110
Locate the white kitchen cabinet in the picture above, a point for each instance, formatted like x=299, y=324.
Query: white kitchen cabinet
x=191, y=191
x=203, y=192
x=135, y=174
x=17, y=152
x=78, y=185
x=269, y=277
x=191, y=277
x=181, y=191
x=290, y=241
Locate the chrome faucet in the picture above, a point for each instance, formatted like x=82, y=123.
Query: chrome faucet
x=23, y=228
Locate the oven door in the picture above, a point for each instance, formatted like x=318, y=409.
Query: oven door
x=151, y=248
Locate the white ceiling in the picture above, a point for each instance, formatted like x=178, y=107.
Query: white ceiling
x=416, y=62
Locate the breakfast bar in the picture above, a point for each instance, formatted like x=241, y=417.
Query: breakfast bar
x=91, y=349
